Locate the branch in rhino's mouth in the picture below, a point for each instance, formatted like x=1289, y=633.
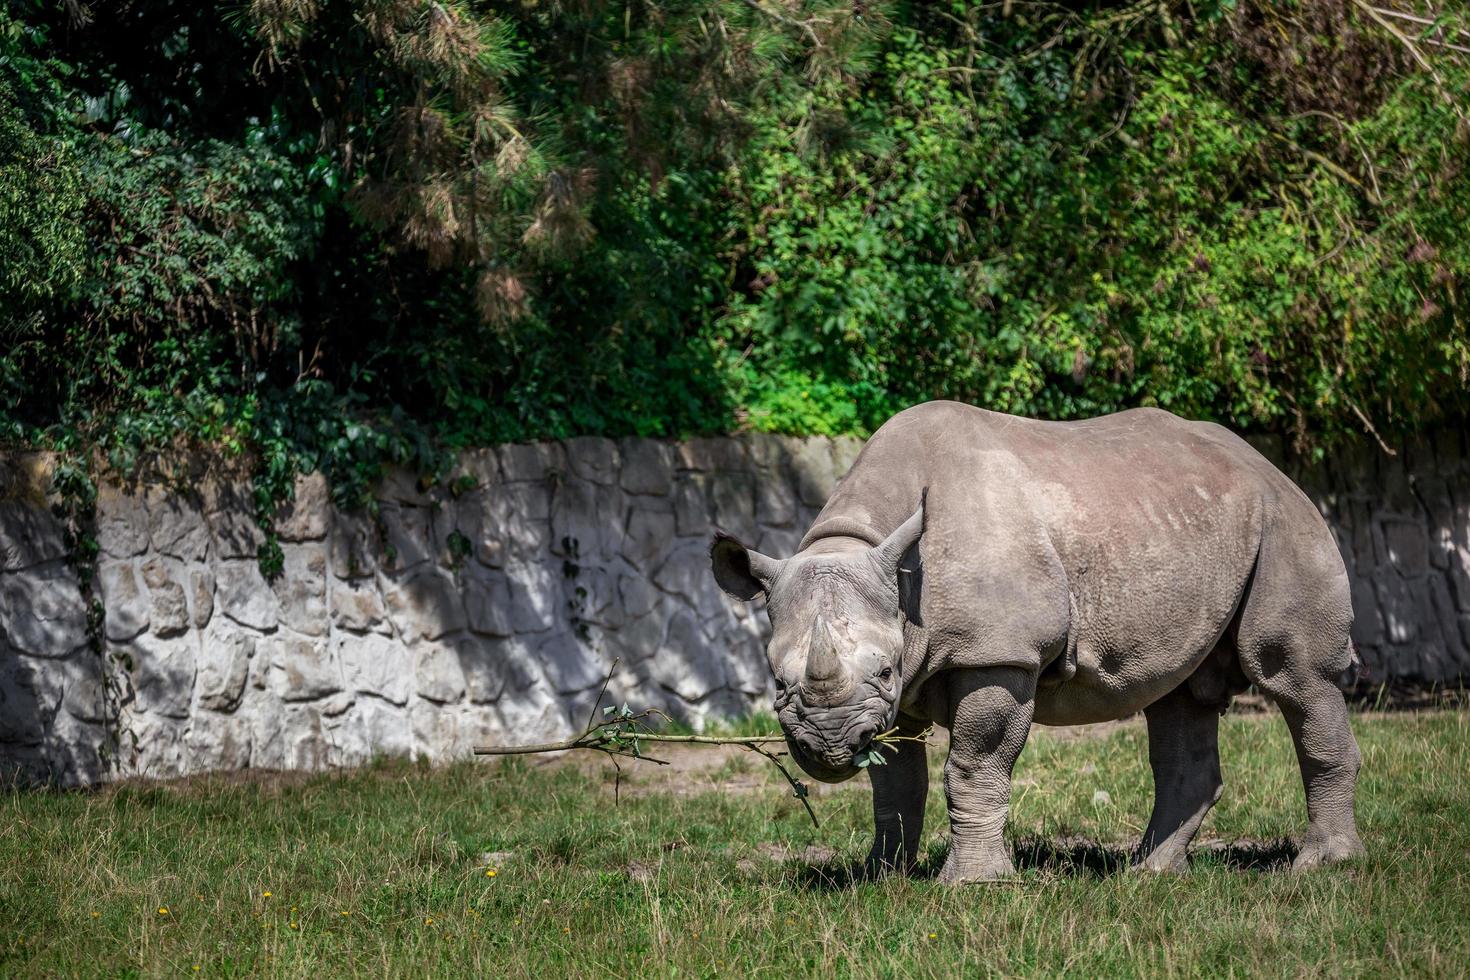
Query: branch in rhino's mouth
x=817, y=770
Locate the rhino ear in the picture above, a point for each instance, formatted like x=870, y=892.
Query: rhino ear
x=891, y=551
x=741, y=572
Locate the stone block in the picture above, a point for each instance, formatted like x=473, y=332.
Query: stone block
x=639, y=638
x=488, y=602
x=733, y=497
x=358, y=608
x=1407, y=542
x=307, y=515
x=648, y=467
x=1397, y=605
x=531, y=461
x=711, y=454
x=536, y=601
x=302, y=588
x=224, y=665
x=437, y=673
x=775, y=502
x=124, y=601
x=586, y=521
x=636, y=595
x=169, y=605
x=568, y=664
x=649, y=537
x=176, y=524
x=686, y=572
x=408, y=537
x=594, y=459
x=692, y=506
x=592, y=597
x=229, y=511
x=489, y=662
x=242, y=594
x=163, y=673
x=42, y=611
x=812, y=469
x=767, y=454
x=534, y=714
x=384, y=728
x=376, y=665
x=435, y=730
x=304, y=669
x=201, y=587
x=85, y=693
x=122, y=522
x=218, y=742
x=507, y=522
x=425, y=606
x=405, y=487
x=306, y=746
x=158, y=747
x=30, y=696
x=355, y=545
x=682, y=665
x=478, y=469
x=29, y=535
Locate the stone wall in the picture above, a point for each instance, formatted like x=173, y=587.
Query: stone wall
x=491, y=609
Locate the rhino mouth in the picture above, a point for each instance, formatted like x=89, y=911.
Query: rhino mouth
x=819, y=770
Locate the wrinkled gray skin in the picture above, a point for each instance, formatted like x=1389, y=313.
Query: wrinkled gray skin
x=984, y=572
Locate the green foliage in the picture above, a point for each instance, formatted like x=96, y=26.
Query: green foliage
x=342, y=235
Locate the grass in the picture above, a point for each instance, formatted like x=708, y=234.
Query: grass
x=709, y=872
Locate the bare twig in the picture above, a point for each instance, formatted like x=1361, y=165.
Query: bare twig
x=622, y=733
x=1369, y=426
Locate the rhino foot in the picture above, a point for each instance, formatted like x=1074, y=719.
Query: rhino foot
x=1317, y=852
x=990, y=865
x=1161, y=861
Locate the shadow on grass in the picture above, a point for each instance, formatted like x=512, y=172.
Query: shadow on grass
x=1073, y=857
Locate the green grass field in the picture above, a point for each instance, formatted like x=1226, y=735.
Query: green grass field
x=714, y=870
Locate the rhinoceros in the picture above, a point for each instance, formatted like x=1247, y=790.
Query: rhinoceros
x=985, y=573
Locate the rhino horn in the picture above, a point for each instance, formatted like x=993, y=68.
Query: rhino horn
x=824, y=672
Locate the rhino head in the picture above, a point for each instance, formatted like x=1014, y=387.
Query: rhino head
x=836, y=641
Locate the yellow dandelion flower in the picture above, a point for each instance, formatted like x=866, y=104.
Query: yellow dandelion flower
x=933, y=935
x=566, y=929
x=428, y=922
x=346, y=913
x=163, y=910
x=196, y=967
x=489, y=872
x=294, y=925
x=265, y=894
x=96, y=915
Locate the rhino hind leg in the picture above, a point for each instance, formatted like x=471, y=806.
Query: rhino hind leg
x=1183, y=751
x=1328, y=756
x=1294, y=660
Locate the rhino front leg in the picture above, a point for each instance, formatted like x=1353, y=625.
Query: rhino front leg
x=990, y=716
x=899, y=791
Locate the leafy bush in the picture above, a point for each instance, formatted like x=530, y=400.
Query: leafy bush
x=338, y=234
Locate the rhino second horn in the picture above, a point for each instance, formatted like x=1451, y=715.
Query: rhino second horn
x=824, y=673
